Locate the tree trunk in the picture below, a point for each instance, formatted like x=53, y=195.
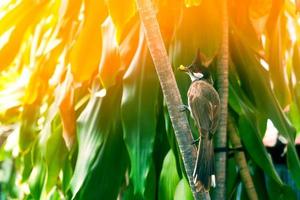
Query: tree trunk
x=241, y=161
x=221, y=138
x=170, y=91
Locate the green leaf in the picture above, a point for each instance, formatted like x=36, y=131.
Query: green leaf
x=258, y=177
x=67, y=172
x=276, y=191
x=169, y=178
x=94, y=124
x=107, y=173
x=243, y=57
x=139, y=115
x=150, y=191
x=253, y=143
x=249, y=132
x=55, y=155
x=183, y=191
x=28, y=129
x=232, y=178
x=36, y=180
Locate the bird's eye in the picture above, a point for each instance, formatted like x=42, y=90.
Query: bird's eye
x=198, y=75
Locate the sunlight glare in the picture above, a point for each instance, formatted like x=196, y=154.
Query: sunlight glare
x=101, y=93
x=264, y=64
x=4, y=38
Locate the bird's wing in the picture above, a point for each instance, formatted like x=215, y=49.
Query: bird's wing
x=214, y=117
x=200, y=110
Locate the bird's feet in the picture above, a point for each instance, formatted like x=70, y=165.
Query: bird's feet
x=184, y=108
x=196, y=141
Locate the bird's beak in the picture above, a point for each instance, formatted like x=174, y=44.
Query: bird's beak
x=183, y=68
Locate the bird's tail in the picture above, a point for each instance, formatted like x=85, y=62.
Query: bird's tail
x=204, y=171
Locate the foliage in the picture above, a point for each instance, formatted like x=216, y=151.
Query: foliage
x=82, y=114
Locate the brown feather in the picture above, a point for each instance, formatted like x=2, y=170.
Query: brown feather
x=204, y=103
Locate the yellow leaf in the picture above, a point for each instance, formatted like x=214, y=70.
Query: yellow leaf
x=11, y=48
x=191, y=3
x=110, y=60
x=121, y=13
x=67, y=112
x=85, y=55
x=259, y=12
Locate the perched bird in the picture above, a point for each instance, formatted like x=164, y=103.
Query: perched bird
x=204, y=105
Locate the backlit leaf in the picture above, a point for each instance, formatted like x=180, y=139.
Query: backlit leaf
x=183, y=191
x=259, y=11
x=93, y=126
x=168, y=178
x=139, y=115
x=121, y=14
x=86, y=52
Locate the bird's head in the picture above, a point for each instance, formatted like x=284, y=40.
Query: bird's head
x=198, y=70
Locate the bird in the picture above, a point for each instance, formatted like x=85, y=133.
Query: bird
x=204, y=106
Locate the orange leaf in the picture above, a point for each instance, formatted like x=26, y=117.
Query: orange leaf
x=67, y=113
x=85, y=55
x=121, y=13
x=11, y=48
x=110, y=60
x=259, y=12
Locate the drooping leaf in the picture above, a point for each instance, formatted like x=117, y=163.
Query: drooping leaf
x=36, y=181
x=85, y=55
x=67, y=111
x=121, y=15
x=276, y=58
x=139, y=115
x=150, y=191
x=107, y=173
x=54, y=146
x=258, y=13
x=256, y=149
x=296, y=61
x=268, y=105
x=110, y=64
x=249, y=132
x=276, y=191
x=9, y=51
x=28, y=129
x=93, y=126
x=232, y=178
x=168, y=178
x=183, y=191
